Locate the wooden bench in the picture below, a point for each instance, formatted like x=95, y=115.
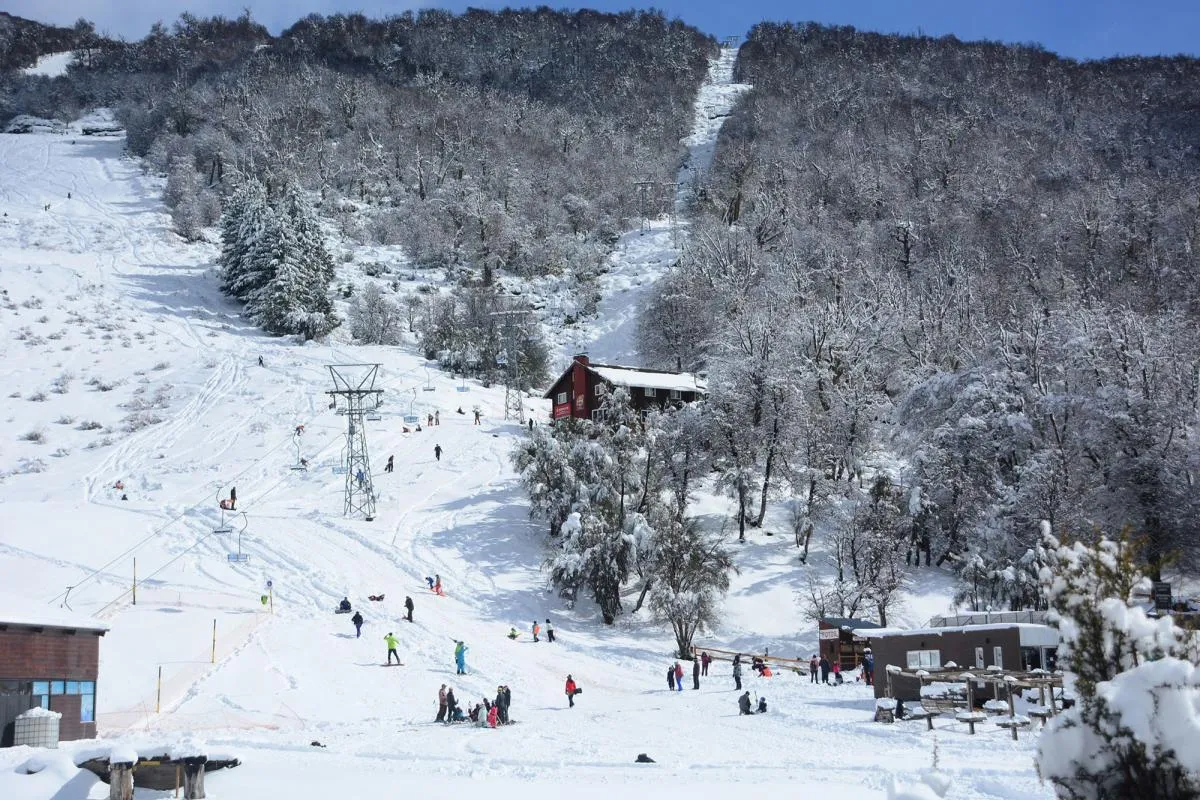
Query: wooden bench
x=971, y=718
x=1013, y=723
x=935, y=706
x=1040, y=714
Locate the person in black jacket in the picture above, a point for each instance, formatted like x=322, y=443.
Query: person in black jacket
x=357, y=619
x=408, y=604
x=451, y=706
x=744, y=704
x=825, y=667
x=670, y=677
x=695, y=672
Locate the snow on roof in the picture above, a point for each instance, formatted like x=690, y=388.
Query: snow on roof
x=649, y=379
x=880, y=633
x=16, y=610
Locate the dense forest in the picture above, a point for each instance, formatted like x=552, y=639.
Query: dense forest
x=954, y=286
x=940, y=290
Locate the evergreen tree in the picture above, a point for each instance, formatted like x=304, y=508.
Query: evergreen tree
x=242, y=225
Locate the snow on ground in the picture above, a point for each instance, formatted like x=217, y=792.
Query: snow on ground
x=112, y=320
x=51, y=66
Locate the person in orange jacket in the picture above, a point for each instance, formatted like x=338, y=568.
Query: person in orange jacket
x=571, y=690
x=536, y=630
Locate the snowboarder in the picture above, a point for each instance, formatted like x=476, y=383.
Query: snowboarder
x=357, y=619
x=460, y=657
x=477, y=416
x=737, y=673
x=391, y=643
x=512, y=634
x=572, y=690
x=437, y=452
x=441, y=715
x=549, y=632
x=408, y=606
x=437, y=417
x=705, y=660
x=814, y=665
x=344, y=606
x=695, y=673
x=437, y=586
x=390, y=465
x=460, y=411
x=744, y=704
x=824, y=664
x=678, y=676
x=299, y=430
x=536, y=630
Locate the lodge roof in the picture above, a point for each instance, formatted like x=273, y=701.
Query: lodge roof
x=848, y=623
x=20, y=611
x=636, y=377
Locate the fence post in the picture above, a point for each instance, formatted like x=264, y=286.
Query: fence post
x=135, y=580
x=158, y=699
x=214, y=645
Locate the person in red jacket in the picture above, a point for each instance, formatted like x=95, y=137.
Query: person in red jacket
x=678, y=676
x=571, y=690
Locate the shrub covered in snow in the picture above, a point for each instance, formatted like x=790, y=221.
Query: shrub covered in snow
x=1134, y=729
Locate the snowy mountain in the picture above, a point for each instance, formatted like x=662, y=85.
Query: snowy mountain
x=123, y=365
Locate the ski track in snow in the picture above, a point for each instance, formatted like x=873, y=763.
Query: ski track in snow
x=282, y=680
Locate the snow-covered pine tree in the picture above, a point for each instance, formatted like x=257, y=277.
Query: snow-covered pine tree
x=242, y=223
x=1134, y=728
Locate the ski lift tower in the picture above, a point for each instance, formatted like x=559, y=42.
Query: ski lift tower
x=511, y=361
x=354, y=396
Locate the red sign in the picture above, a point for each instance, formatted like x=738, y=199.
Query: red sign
x=562, y=411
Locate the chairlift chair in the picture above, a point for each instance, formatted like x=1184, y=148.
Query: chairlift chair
x=428, y=387
x=224, y=526
x=239, y=557
x=463, y=386
x=300, y=464
x=411, y=417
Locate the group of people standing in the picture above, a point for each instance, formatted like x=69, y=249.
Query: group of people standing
x=487, y=712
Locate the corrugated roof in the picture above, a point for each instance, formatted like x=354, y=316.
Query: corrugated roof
x=648, y=379
x=849, y=623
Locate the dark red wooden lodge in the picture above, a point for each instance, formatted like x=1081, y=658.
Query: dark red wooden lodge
x=48, y=658
x=579, y=391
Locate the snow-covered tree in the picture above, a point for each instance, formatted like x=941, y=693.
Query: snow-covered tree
x=242, y=224
x=1134, y=729
x=374, y=318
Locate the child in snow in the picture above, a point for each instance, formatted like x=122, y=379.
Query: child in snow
x=437, y=586
x=512, y=633
x=762, y=705
x=705, y=660
x=679, y=676
x=493, y=715
x=837, y=672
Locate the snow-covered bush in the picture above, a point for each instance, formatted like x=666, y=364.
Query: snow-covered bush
x=1134, y=729
x=35, y=436
x=375, y=319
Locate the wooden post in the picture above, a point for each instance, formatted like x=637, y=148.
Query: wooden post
x=214, y=646
x=158, y=699
x=193, y=777
x=1012, y=712
x=178, y=770
x=120, y=781
x=1042, y=694
x=135, y=580
x=1053, y=706
x=971, y=705
x=889, y=683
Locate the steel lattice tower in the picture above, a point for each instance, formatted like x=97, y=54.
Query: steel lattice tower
x=514, y=407
x=354, y=395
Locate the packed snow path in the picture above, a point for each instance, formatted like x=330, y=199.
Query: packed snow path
x=99, y=288
x=642, y=256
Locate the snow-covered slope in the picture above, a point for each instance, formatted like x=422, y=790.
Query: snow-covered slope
x=52, y=65
x=114, y=321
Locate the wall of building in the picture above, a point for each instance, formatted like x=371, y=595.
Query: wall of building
x=53, y=655
x=956, y=646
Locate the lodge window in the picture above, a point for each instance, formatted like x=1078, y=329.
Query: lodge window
x=599, y=390
x=561, y=398
x=598, y=415
x=998, y=657
x=42, y=691
x=648, y=392
x=924, y=659
x=675, y=394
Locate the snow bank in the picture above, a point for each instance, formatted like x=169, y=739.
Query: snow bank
x=122, y=754
x=38, y=711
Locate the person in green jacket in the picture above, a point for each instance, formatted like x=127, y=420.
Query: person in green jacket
x=390, y=640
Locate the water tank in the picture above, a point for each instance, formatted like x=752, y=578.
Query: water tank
x=37, y=727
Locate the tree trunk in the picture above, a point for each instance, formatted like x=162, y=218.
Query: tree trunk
x=642, y=596
x=808, y=532
x=742, y=512
x=762, y=507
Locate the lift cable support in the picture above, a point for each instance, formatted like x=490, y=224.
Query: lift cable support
x=239, y=557
x=428, y=387
x=411, y=417
x=301, y=464
x=512, y=334
x=355, y=396
x=224, y=526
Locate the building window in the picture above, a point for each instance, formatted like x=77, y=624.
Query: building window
x=600, y=389
x=87, y=701
x=648, y=392
x=675, y=394
x=561, y=399
x=998, y=657
x=924, y=659
x=42, y=691
x=598, y=415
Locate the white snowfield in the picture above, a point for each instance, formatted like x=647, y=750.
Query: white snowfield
x=52, y=65
x=121, y=363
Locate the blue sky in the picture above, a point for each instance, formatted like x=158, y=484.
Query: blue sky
x=1075, y=28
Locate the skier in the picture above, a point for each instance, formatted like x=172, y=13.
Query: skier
x=678, y=676
x=549, y=632
x=477, y=416
x=437, y=452
x=391, y=643
x=408, y=605
x=299, y=430
x=536, y=630
x=357, y=619
x=571, y=691
x=260, y=362
x=695, y=673
x=705, y=660
x=390, y=464
x=460, y=657
x=824, y=663
x=441, y=715
x=814, y=665
x=437, y=586
x=429, y=580
x=737, y=673
x=744, y=704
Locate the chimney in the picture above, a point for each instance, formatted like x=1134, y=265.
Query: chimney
x=582, y=358
x=678, y=363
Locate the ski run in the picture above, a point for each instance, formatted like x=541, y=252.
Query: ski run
x=123, y=364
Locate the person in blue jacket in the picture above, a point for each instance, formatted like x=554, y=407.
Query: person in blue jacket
x=460, y=657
